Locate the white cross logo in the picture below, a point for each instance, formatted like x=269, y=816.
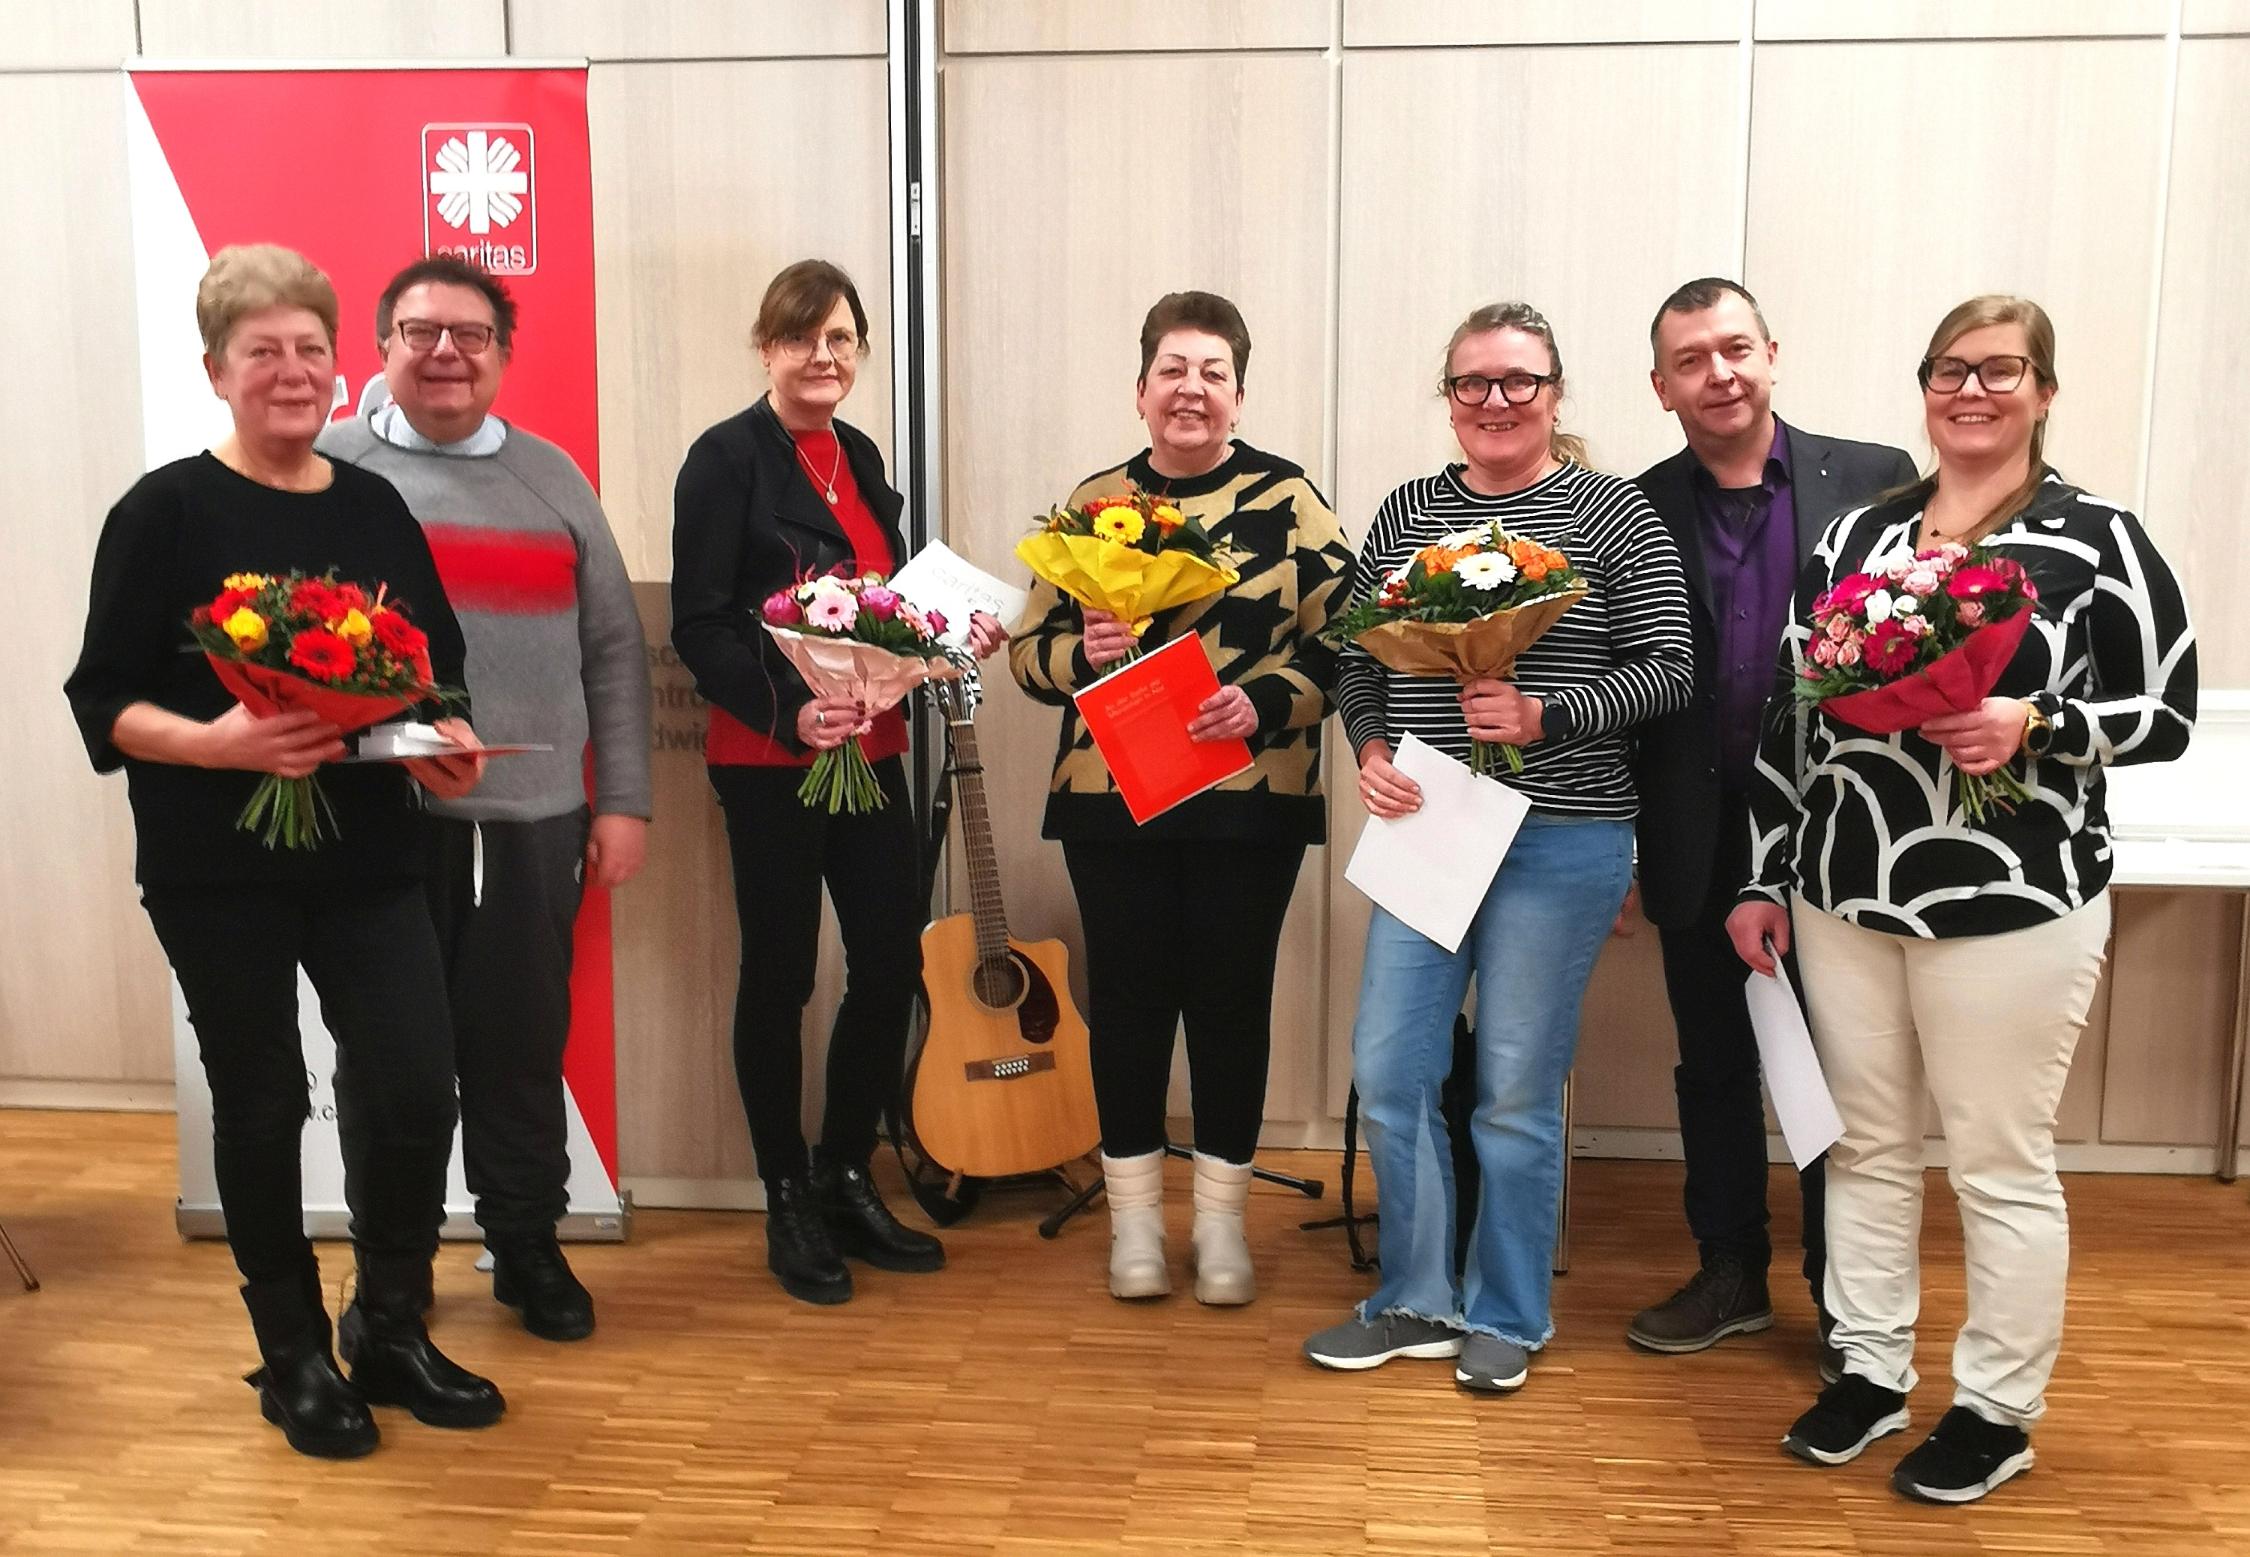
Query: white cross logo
x=479, y=181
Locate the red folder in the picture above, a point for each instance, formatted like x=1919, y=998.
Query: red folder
x=1139, y=714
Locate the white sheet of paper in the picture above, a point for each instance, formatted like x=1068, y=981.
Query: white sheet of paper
x=1801, y=1100
x=1431, y=869
x=938, y=578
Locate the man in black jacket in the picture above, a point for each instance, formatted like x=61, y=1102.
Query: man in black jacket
x=1746, y=500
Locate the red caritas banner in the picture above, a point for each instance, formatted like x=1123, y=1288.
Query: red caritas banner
x=364, y=171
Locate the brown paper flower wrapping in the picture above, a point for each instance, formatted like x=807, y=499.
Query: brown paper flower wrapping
x=1466, y=651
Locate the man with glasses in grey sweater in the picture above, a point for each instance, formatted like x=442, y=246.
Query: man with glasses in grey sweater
x=556, y=657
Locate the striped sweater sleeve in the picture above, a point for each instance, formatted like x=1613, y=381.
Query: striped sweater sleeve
x=1649, y=626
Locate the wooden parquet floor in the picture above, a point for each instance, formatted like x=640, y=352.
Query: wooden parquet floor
x=1009, y=1406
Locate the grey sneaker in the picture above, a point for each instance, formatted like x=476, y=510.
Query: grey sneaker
x=1369, y=1343
x=1491, y=1364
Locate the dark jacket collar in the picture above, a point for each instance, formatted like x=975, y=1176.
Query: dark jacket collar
x=796, y=502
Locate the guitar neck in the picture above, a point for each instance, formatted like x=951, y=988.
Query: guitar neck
x=985, y=903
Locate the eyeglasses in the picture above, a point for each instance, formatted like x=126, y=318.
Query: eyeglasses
x=1998, y=375
x=799, y=348
x=1475, y=389
x=424, y=334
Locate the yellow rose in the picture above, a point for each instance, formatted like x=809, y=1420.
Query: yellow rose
x=246, y=627
x=353, y=627
x=1118, y=524
x=1168, y=518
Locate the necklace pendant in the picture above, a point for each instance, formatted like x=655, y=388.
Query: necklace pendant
x=832, y=494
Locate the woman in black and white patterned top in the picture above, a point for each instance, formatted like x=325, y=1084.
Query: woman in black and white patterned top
x=1957, y=955
x=1620, y=656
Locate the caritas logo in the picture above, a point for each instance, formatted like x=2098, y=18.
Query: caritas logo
x=480, y=195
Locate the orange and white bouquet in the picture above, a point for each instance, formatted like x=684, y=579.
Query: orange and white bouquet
x=288, y=640
x=1465, y=607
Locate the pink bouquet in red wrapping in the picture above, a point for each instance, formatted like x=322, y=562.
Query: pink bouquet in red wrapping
x=1913, y=637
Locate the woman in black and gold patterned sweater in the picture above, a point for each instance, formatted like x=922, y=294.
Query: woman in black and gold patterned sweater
x=1211, y=878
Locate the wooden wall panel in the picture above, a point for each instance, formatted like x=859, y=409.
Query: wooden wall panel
x=82, y=985
x=1871, y=215
x=1801, y=19
x=1053, y=254
x=2172, y=991
x=1095, y=26
x=51, y=35
x=2215, y=16
x=708, y=178
x=2197, y=477
x=1542, y=203
x=679, y=1115
x=324, y=29
x=1370, y=23
x=695, y=29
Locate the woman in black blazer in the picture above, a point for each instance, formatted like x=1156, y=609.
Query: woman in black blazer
x=774, y=493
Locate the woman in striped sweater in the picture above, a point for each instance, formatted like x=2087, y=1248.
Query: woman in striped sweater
x=1619, y=657
x=1218, y=870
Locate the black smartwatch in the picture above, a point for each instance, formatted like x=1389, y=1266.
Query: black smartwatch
x=1555, y=722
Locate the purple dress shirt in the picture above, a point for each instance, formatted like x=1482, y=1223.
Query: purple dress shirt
x=1750, y=556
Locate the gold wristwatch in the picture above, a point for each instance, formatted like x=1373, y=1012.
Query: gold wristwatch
x=2038, y=730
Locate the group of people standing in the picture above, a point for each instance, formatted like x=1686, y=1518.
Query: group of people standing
x=1654, y=720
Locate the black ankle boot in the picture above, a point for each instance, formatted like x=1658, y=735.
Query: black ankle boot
x=799, y=1251
x=863, y=1226
x=392, y=1358
x=299, y=1389
x=530, y=1274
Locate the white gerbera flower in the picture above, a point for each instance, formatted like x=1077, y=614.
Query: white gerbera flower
x=1485, y=570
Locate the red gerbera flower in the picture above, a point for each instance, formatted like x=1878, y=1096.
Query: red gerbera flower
x=318, y=599
x=395, y=633
x=322, y=655
x=229, y=601
x=1889, y=648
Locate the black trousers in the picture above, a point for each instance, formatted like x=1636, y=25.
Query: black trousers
x=783, y=850
x=371, y=955
x=1722, y=1114
x=504, y=925
x=1181, y=933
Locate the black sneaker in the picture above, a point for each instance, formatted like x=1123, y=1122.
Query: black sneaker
x=1964, y=1457
x=1850, y=1414
x=1724, y=1298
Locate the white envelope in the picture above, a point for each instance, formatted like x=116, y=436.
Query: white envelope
x=938, y=578
x=1431, y=869
x=1801, y=1100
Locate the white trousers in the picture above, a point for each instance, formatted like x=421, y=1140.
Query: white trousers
x=1985, y=1026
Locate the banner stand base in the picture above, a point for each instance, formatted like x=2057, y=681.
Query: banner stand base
x=575, y=1227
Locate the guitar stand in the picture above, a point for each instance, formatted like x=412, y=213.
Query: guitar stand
x=1311, y=1189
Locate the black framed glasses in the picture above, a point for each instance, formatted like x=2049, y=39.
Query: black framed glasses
x=1998, y=375
x=1475, y=389
x=799, y=348
x=424, y=334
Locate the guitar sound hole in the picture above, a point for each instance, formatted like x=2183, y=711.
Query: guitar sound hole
x=999, y=983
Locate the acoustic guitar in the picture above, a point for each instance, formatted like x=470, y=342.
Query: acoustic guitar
x=1002, y=1084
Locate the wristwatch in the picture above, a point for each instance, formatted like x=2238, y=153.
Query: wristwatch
x=1556, y=723
x=2038, y=729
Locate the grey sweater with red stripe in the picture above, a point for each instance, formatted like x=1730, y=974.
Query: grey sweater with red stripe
x=556, y=654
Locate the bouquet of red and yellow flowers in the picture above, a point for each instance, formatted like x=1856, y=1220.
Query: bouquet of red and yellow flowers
x=284, y=641
x=1916, y=636
x=854, y=637
x=1132, y=555
x=1465, y=608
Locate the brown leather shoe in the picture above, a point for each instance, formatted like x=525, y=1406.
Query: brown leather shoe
x=1723, y=1298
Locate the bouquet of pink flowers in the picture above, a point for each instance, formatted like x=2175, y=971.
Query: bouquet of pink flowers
x=854, y=637
x=1913, y=637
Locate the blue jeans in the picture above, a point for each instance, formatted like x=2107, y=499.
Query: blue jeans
x=1532, y=947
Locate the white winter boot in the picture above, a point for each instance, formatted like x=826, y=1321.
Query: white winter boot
x=1222, y=1253
x=1135, y=1186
